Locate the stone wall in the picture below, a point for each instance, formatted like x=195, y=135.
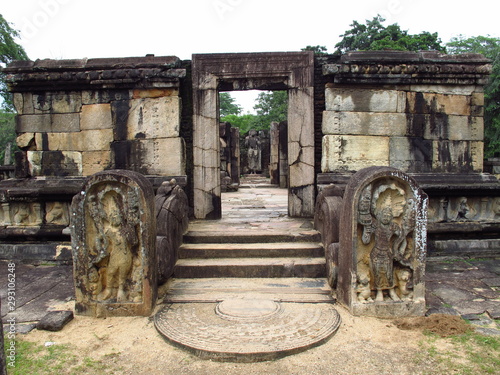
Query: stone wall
x=418, y=112
x=79, y=117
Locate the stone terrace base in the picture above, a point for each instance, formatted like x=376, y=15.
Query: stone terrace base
x=247, y=330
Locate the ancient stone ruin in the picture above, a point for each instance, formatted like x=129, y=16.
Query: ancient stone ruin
x=114, y=249
x=417, y=114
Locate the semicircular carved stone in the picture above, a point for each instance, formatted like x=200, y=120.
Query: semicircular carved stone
x=113, y=241
x=381, y=258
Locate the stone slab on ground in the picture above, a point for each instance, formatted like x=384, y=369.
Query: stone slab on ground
x=55, y=320
x=307, y=290
x=37, y=289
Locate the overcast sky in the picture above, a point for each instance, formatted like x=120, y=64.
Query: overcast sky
x=62, y=29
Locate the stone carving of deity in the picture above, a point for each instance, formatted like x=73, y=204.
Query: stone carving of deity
x=252, y=141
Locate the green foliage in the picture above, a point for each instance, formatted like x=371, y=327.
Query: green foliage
x=490, y=48
x=271, y=107
x=244, y=122
x=375, y=36
x=9, y=51
x=7, y=134
x=227, y=105
x=37, y=359
x=318, y=50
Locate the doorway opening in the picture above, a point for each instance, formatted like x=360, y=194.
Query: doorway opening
x=289, y=71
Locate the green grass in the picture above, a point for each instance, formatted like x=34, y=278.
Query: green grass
x=36, y=359
x=467, y=354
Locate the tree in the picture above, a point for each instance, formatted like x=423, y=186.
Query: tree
x=244, y=122
x=318, y=50
x=9, y=51
x=227, y=105
x=271, y=107
x=375, y=36
x=490, y=48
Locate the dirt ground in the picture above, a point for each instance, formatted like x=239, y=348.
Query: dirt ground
x=361, y=346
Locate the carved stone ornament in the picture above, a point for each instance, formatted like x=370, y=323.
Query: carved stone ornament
x=383, y=244
x=113, y=239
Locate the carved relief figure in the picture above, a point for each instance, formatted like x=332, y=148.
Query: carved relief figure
x=252, y=141
x=57, y=213
x=115, y=216
x=22, y=214
x=388, y=220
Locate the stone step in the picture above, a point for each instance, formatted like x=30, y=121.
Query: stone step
x=200, y=237
x=205, y=290
x=250, y=267
x=251, y=250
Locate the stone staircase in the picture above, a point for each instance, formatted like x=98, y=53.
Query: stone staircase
x=254, y=251
x=214, y=266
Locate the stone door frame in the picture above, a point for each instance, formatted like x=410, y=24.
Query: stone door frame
x=291, y=71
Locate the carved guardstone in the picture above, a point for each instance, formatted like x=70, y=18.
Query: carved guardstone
x=383, y=244
x=113, y=239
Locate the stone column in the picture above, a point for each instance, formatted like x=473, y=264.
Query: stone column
x=274, y=140
x=206, y=174
x=301, y=152
x=235, y=155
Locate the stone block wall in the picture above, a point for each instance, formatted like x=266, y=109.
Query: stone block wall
x=418, y=112
x=105, y=114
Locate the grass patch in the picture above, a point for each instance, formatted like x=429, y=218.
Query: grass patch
x=37, y=359
x=465, y=354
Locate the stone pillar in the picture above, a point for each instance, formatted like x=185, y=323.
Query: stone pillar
x=113, y=231
x=235, y=155
x=301, y=192
x=206, y=173
x=274, y=140
x=283, y=155
x=383, y=235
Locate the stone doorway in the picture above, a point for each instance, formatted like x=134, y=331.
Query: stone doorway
x=291, y=71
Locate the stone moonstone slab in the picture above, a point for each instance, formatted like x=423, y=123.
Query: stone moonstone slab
x=247, y=330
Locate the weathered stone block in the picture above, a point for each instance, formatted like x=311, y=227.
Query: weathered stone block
x=454, y=128
x=411, y=155
x=25, y=140
x=54, y=163
x=352, y=153
x=430, y=103
x=364, y=100
x=154, y=93
x=445, y=89
x=382, y=248
x=457, y=156
x=95, y=161
x=87, y=140
x=18, y=101
x=55, y=320
x=364, y=123
x=166, y=157
x=57, y=102
x=151, y=118
x=113, y=232
x=47, y=123
x=96, y=116
x=104, y=96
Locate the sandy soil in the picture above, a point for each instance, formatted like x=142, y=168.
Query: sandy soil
x=361, y=346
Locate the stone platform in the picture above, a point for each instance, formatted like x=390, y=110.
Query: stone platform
x=247, y=330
